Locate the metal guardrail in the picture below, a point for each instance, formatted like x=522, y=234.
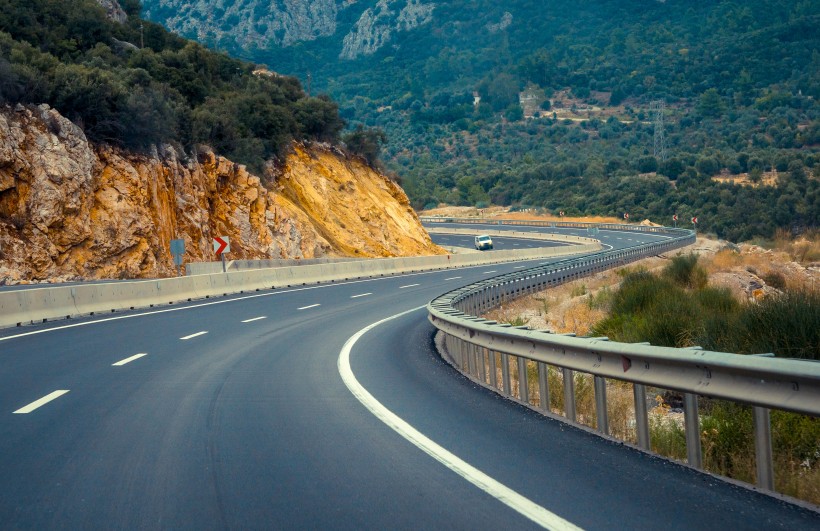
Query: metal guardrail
x=477, y=346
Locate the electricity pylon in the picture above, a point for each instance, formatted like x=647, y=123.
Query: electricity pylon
x=657, y=107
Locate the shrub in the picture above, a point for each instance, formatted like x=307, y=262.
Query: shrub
x=775, y=279
x=685, y=272
x=518, y=321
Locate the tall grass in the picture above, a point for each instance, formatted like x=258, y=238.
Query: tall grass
x=786, y=324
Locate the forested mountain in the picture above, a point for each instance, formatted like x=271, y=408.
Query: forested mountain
x=547, y=103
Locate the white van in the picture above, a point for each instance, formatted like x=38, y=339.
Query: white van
x=483, y=242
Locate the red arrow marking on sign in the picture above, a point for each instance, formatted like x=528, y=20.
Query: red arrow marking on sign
x=222, y=244
x=626, y=363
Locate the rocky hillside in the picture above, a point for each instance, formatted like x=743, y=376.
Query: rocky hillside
x=73, y=210
x=259, y=24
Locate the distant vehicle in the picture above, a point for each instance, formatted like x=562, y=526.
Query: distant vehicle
x=483, y=242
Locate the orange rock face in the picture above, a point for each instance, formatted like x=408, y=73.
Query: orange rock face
x=70, y=210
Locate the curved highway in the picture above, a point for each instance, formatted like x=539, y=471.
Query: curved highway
x=237, y=413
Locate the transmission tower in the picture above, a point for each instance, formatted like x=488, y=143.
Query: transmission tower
x=657, y=107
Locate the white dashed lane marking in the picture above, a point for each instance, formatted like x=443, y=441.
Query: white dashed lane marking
x=128, y=360
x=41, y=402
x=194, y=335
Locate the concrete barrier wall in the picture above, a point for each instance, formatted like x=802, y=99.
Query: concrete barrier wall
x=35, y=305
x=206, y=268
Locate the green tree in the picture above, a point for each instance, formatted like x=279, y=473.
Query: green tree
x=710, y=104
x=366, y=143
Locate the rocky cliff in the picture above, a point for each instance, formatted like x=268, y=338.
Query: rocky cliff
x=69, y=209
x=259, y=24
x=377, y=25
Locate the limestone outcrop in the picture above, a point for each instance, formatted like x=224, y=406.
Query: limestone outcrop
x=259, y=24
x=113, y=10
x=377, y=25
x=281, y=22
x=73, y=210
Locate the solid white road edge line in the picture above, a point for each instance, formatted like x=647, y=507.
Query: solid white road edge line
x=41, y=402
x=499, y=491
x=194, y=335
x=128, y=360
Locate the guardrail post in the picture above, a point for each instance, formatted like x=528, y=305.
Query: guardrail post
x=482, y=365
x=692, y=425
x=544, y=386
x=462, y=348
x=493, y=375
x=602, y=419
x=523, y=382
x=569, y=394
x=505, y=373
x=641, y=415
x=763, y=448
x=470, y=359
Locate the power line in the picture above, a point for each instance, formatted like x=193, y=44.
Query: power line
x=657, y=108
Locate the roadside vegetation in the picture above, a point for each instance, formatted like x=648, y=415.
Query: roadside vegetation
x=687, y=301
x=677, y=308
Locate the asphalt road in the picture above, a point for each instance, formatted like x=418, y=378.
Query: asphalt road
x=500, y=243
x=239, y=415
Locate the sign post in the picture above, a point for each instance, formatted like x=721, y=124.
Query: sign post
x=222, y=245
x=626, y=216
x=177, y=250
x=695, y=223
x=675, y=220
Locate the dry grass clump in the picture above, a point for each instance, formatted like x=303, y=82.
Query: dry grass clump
x=723, y=260
x=753, y=272
x=805, y=249
x=568, y=308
